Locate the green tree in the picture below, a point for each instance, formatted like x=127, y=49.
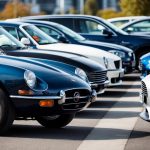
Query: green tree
x=72, y=11
x=13, y=10
x=135, y=7
x=91, y=7
x=109, y=13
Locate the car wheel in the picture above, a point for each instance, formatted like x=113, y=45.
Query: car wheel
x=7, y=114
x=55, y=121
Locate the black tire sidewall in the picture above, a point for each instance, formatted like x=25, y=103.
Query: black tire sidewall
x=8, y=114
x=59, y=122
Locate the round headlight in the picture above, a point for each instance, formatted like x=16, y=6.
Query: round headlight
x=81, y=73
x=118, y=53
x=30, y=78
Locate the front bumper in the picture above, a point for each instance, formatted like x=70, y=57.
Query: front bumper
x=145, y=114
x=145, y=100
x=99, y=88
x=128, y=66
x=115, y=77
x=28, y=106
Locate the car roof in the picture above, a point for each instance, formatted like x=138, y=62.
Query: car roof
x=135, y=21
x=15, y=23
x=59, y=16
x=125, y=18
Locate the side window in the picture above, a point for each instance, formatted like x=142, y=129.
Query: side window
x=143, y=26
x=68, y=22
x=89, y=26
x=50, y=31
x=20, y=34
x=12, y=31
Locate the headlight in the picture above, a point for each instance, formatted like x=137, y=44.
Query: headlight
x=81, y=73
x=118, y=53
x=30, y=78
x=105, y=62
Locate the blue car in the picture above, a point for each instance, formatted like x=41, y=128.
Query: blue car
x=144, y=65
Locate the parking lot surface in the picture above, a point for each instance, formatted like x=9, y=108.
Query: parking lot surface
x=112, y=122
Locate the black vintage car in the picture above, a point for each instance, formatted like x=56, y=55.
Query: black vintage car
x=85, y=68
x=33, y=89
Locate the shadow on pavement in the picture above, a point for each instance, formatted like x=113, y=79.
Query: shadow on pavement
x=99, y=114
x=109, y=104
x=118, y=94
x=72, y=133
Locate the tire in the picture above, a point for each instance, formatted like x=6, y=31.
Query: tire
x=7, y=114
x=56, y=121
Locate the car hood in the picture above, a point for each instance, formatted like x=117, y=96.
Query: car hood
x=79, y=49
x=75, y=60
x=54, y=77
x=106, y=46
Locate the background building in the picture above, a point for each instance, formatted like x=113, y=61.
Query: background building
x=58, y=6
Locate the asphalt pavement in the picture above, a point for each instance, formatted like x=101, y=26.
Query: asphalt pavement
x=112, y=122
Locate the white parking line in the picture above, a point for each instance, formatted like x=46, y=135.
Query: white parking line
x=111, y=132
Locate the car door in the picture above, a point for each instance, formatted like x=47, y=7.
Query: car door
x=94, y=30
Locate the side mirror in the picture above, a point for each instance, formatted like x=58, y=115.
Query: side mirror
x=107, y=32
x=62, y=39
x=129, y=30
x=25, y=41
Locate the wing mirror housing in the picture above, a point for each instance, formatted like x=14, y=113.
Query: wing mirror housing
x=62, y=39
x=25, y=41
x=107, y=32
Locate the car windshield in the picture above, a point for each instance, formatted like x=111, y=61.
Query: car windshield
x=113, y=27
x=8, y=42
x=38, y=36
x=70, y=33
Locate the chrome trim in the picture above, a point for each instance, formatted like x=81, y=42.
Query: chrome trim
x=81, y=97
x=35, y=97
x=78, y=103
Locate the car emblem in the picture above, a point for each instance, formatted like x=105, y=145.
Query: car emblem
x=76, y=96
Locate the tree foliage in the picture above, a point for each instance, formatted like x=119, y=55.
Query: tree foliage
x=15, y=9
x=109, y=13
x=135, y=7
x=91, y=7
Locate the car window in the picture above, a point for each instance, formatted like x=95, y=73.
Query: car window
x=12, y=31
x=142, y=26
x=120, y=23
x=38, y=36
x=21, y=35
x=89, y=26
x=49, y=31
x=68, y=22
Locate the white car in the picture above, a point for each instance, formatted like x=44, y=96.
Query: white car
x=40, y=40
x=119, y=21
x=145, y=98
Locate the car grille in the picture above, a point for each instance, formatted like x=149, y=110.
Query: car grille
x=98, y=77
x=117, y=64
x=73, y=103
x=144, y=89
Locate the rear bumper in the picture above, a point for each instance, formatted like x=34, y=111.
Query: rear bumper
x=115, y=77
